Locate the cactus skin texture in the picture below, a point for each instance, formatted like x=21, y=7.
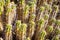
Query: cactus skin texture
x=42, y=35
x=49, y=29
x=55, y=38
x=8, y=32
x=20, y=30
x=29, y=19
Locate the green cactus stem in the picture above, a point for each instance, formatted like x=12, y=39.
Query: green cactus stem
x=31, y=29
x=41, y=22
x=32, y=17
x=26, y=10
x=32, y=6
x=40, y=25
x=8, y=32
x=20, y=9
x=50, y=1
x=58, y=22
x=55, y=38
x=22, y=2
x=52, y=21
x=46, y=16
x=47, y=6
x=28, y=38
x=42, y=8
x=49, y=29
x=18, y=25
x=50, y=10
x=25, y=13
x=20, y=30
x=7, y=2
x=57, y=31
x=56, y=8
x=40, y=12
x=1, y=7
x=41, y=35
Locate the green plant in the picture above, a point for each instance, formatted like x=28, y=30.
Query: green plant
x=49, y=29
x=57, y=31
x=8, y=32
x=42, y=35
x=29, y=19
x=58, y=22
x=28, y=38
x=55, y=38
x=31, y=29
x=20, y=30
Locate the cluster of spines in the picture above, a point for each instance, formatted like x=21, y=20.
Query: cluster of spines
x=45, y=19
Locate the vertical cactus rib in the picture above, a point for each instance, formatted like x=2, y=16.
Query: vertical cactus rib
x=40, y=26
x=18, y=25
x=20, y=30
x=31, y=29
x=28, y=38
x=8, y=32
x=55, y=38
x=29, y=20
x=49, y=29
x=1, y=12
x=20, y=9
x=25, y=13
x=41, y=35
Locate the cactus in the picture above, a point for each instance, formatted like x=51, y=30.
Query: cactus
x=32, y=17
x=25, y=13
x=46, y=6
x=28, y=38
x=40, y=26
x=42, y=35
x=40, y=13
x=46, y=16
x=20, y=30
x=31, y=29
x=29, y=19
x=8, y=32
x=11, y=8
x=18, y=25
x=50, y=1
x=55, y=38
x=26, y=10
x=1, y=12
x=7, y=2
x=55, y=10
x=47, y=39
x=52, y=21
x=58, y=22
x=57, y=31
x=23, y=31
x=20, y=9
x=41, y=22
x=42, y=9
x=49, y=29
x=32, y=7
x=1, y=8
x=22, y=2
